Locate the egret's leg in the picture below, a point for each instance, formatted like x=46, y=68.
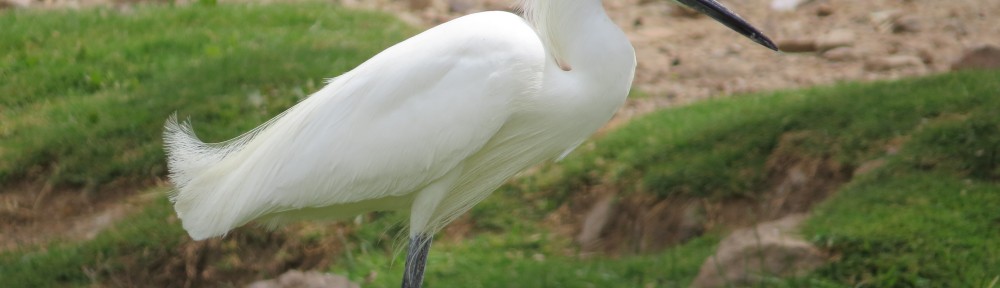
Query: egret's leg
x=422, y=225
x=416, y=260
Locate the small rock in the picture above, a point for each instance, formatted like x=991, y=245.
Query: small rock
x=906, y=24
x=748, y=256
x=594, y=222
x=310, y=279
x=926, y=55
x=840, y=54
x=834, y=39
x=893, y=62
x=984, y=57
x=786, y=5
x=824, y=10
x=797, y=45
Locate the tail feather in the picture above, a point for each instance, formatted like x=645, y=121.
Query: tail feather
x=200, y=196
x=206, y=185
x=187, y=156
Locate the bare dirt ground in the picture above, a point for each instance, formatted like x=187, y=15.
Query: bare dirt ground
x=33, y=213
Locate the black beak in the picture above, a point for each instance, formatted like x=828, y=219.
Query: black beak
x=720, y=13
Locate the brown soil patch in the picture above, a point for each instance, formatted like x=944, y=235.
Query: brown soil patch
x=37, y=213
x=636, y=223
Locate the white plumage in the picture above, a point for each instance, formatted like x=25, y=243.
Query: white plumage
x=441, y=119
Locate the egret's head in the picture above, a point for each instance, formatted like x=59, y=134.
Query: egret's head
x=722, y=14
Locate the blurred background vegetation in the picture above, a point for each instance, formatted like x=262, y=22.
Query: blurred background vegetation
x=902, y=177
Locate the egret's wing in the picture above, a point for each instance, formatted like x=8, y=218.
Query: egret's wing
x=386, y=129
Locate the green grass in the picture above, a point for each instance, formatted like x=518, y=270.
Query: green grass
x=917, y=230
x=85, y=93
x=931, y=218
x=496, y=261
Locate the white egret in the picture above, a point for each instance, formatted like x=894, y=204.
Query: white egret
x=431, y=125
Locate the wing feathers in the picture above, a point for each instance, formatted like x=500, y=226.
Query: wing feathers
x=382, y=131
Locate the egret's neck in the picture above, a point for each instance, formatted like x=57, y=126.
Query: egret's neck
x=578, y=33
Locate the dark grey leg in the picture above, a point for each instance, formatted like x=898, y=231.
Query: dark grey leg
x=416, y=259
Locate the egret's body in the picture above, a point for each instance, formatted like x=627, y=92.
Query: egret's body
x=442, y=118
x=431, y=125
